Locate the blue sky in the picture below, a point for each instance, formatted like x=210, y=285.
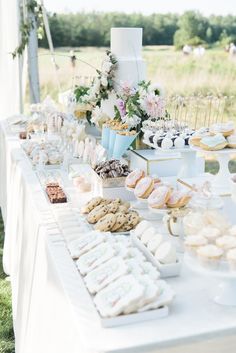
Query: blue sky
x=207, y=7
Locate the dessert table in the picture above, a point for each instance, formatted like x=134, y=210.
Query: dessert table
x=51, y=311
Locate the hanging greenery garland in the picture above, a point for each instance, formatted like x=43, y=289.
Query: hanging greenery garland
x=34, y=16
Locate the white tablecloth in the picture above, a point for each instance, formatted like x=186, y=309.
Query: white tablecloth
x=51, y=310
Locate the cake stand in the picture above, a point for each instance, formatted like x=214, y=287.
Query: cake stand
x=221, y=181
x=188, y=167
x=225, y=290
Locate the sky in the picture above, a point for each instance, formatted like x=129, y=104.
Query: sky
x=206, y=7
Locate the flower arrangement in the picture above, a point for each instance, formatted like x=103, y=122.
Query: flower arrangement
x=135, y=105
x=88, y=98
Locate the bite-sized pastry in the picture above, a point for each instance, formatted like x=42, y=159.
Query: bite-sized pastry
x=217, y=220
x=193, y=242
x=231, y=258
x=159, y=197
x=144, y=187
x=166, y=253
x=231, y=140
x=226, y=242
x=141, y=227
x=210, y=233
x=179, y=142
x=213, y=143
x=133, y=178
x=148, y=235
x=209, y=256
x=194, y=222
x=154, y=242
x=167, y=143
x=226, y=129
x=178, y=198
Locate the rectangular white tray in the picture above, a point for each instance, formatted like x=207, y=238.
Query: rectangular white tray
x=169, y=270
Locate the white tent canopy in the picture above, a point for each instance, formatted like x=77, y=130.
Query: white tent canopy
x=10, y=70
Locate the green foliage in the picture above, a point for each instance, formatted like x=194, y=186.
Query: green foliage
x=80, y=91
x=6, y=330
x=93, y=29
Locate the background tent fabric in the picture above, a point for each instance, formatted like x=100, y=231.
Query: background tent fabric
x=10, y=70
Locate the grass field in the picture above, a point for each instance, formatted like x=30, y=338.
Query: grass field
x=6, y=331
x=215, y=72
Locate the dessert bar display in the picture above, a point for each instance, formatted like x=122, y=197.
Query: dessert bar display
x=211, y=240
x=55, y=193
x=110, y=215
x=119, y=279
x=157, y=248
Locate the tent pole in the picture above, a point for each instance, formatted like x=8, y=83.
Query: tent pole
x=33, y=71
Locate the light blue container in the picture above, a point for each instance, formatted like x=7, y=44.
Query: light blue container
x=105, y=137
x=121, y=144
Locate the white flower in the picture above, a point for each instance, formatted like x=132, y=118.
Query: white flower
x=106, y=66
x=104, y=81
x=98, y=116
x=156, y=89
x=131, y=121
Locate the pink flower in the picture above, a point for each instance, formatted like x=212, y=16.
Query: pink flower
x=121, y=107
x=153, y=105
x=127, y=89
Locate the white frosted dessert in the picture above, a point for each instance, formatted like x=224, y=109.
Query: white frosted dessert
x=154, y=242
x=105, y=274
x=141, y=227
x=193, y=243
x=209, y=256
x=210, y=233
x=119, y=296
x=226, y=242
x=148, y=235
x=166, y=253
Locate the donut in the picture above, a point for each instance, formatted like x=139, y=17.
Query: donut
x=178, y=198
x=133, y=178
x=159, y=197
x=144, y=187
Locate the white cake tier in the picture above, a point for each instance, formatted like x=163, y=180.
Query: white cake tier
x=126, y=42
x=131, y=71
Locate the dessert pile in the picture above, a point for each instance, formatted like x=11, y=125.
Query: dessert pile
x=111, y=169
x=55, y=193
x=45, y=152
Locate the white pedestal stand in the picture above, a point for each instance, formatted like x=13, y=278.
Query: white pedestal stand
x=225, y=290
x=221, y=181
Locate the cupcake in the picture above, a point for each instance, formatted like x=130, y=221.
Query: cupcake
x=193, y=242
x=210, y=233
x=209, y=256
x=226, y=242
x=231, y=259
x=232, y=230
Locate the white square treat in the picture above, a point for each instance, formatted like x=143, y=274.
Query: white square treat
x=105, y=274
x=95, y=257
x=118, y=296
x=85, y=243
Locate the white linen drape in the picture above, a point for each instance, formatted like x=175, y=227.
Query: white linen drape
x=10, y=70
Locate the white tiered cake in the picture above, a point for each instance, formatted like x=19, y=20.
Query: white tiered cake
x=126, y=45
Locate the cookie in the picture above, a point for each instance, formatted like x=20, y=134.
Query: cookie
x=113, y=207
x=97, y=213
x=132, y=220
x=122, y=209
x=121, y=219
x=91, y=205
x=106, y=223
x=125, y=204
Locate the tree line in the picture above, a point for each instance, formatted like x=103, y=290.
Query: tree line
x=93, y=29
